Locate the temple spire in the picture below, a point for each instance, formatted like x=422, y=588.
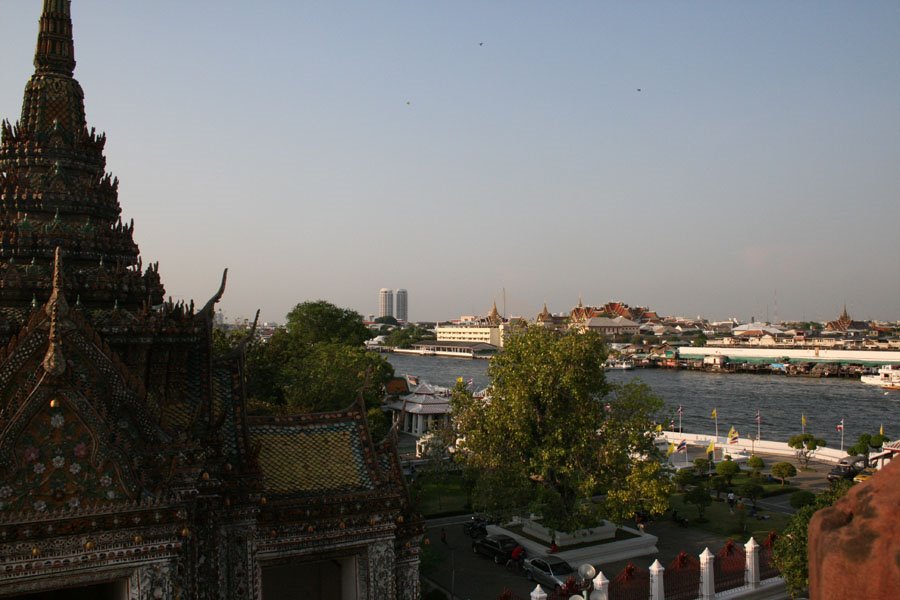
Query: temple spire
x=55, y=52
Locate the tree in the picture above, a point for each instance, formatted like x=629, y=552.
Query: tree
x=783, y=470
x=387, y=320
x=751, y=490
x=727, y=469
x=406, y=337
x=806, y=445
x=702, y=466
x=319, y=321
x=790, y=551
x=683, y=478
x=801, y=498
x=646, y=487
x=553, y=423
x=700, y=498
x=866, y=443
x=756, y=465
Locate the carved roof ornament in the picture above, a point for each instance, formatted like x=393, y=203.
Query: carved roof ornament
x=56, y=308
x=55, y=52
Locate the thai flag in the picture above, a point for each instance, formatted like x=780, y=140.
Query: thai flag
x=680, y=410
x=758, y=418
x=682, y=447
x=840, y=426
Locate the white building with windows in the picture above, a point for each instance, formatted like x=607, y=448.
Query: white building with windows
x=385, y=302
x=402, y=300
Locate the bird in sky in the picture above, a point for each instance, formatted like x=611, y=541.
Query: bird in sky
x=481, y=43
x=639, y=89
x=408, y=103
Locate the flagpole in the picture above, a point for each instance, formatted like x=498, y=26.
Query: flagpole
x=717, y=437
x=758, y=424
x=842, y=434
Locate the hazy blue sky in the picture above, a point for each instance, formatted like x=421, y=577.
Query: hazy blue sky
x=328, y=149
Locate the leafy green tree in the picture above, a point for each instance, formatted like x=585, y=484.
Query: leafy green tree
x=791, y=548
x=406, y=337
x=806, y=445
x=702, y=466
x=317, y=322
x=756, y=464
x=727, y=469
x=783, y=471
x=866, y=443
x=329, y=376
x=719, y=484
x=683, y=478
x=554, y=423
x=387, y=320
x=700, y=498
x=751, y=490
x=646, y=487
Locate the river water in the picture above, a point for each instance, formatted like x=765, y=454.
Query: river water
x=736, y=397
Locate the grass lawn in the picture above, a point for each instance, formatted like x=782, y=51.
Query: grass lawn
x=442, y=497
x=720, y=520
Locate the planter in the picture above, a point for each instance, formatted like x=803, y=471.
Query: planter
x=604, y=531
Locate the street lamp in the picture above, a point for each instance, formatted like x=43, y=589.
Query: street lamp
x=586, y=574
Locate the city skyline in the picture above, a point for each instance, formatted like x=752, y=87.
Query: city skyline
x=700, y=160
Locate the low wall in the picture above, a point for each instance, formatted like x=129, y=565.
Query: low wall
x=606, y=531
x=826, y=455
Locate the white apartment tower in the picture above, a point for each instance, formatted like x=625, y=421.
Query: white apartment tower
x=401, y=305
x=385, y=302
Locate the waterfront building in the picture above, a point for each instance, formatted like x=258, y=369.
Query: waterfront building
x=402, y=313
x=611, y=327
x=130, y=469
x=486, y=330
x=421, y=411
x=385, y=302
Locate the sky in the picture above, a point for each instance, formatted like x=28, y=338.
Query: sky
x=724, y=159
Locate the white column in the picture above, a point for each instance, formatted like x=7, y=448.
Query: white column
x=752, y=555
x=657, y=588
x=707, y=578
x=538, y=593
x=601, y=587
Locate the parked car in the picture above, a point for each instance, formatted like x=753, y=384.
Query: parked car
x=550, y=571
x=842, y=472
x=864, y=475
x=496, y=546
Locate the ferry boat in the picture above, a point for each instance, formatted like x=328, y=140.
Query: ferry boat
x=888, y=378
x=619, y=365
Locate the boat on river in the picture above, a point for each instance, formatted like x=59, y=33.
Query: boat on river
x=888, y=378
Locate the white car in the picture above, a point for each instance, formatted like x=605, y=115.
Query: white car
x=551, y=571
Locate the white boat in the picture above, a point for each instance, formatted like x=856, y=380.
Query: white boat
x=888, y=378
x=620, y=365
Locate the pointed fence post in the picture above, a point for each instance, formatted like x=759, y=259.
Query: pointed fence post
x=707, y=578
x=601, y=587
x=538, y=593
x=752, y=554
x=657, y=587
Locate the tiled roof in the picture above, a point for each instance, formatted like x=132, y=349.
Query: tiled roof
x=313, y=457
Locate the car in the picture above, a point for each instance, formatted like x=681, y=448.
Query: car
x=497, y=547
x=864, y=475
x=550, y=571
x=842, y=472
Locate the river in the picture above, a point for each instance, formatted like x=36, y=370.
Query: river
x=736, y=397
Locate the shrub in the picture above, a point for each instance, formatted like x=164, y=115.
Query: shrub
x=783, y=470
x=728, y=469
x=751, y=490
x=700, y=498
x=802, y=498
x=756, y=465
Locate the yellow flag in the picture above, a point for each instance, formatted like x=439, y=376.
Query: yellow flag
x=714, y=414
x=803, y=420
x=711, y=448
x=671, y=449
x=881, y=430
x=658, y=427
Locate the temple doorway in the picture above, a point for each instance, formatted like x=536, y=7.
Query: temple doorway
x=320, y=580
x=112, y=590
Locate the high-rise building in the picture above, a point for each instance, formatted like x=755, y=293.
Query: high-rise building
x=385, y=302
x=401, y=313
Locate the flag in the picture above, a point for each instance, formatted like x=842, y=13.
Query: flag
x=659, y=428
x=672, y=424
x=680, y=410
x=802, y=420
x=714, y=415
x=711, y=448
x=840, y=426
x=881, y=430
x=682, y=447
x=758, y=418
x=733, y=435
x=470, y=382
x=671, y=449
